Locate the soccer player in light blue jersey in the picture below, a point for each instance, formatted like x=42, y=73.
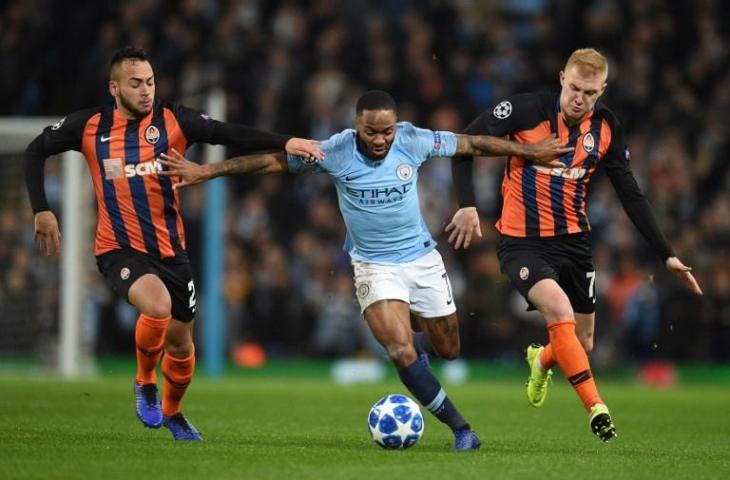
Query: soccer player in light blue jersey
x=399, y=274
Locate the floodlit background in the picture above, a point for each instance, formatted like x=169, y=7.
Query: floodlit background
x=297, y=67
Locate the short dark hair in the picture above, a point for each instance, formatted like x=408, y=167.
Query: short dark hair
x=128, y=53
x=375, y=100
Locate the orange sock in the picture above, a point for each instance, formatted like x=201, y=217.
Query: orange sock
x=573, y=361
x=149, y=336
x=547, y=360
x=177, y=372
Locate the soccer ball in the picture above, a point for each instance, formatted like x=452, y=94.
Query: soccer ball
x=395, y=421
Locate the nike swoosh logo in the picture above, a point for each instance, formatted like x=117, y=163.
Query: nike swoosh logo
x=104, y=139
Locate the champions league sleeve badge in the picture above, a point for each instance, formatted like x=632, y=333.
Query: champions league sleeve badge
x=58, y=124
x=503, y=110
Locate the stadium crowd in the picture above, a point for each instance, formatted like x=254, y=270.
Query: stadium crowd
x=297, y=66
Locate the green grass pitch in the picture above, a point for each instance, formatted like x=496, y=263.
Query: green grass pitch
x=259, y=427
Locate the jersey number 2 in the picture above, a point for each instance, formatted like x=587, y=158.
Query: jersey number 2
x=191, y=300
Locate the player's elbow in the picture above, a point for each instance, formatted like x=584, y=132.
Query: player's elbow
x=464, y=146
x=276, y=163
x=267, y=164
x=35, y=148
x=34, y=162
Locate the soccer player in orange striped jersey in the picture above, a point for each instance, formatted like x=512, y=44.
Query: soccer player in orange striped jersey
x=140, y=239
x=544, y=248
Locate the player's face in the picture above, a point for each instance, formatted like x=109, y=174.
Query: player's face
x=376, y=131
x=133, y=87
x=579, y=93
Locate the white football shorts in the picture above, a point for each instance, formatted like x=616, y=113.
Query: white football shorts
x=422, y=283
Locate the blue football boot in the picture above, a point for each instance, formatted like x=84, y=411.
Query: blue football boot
x=181, y=428
x=147, y=403
x=465, y=440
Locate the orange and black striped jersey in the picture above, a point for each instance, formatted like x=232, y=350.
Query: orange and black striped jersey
x=546, y=202
x=137, y=208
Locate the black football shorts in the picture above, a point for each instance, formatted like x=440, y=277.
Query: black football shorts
x=121, y=268
x=566, y=259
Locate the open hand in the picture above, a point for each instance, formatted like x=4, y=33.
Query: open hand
x=177, y=165
x=547, y=152
x=302, y=147
x=683, y=273
x=46, y=232
x=463, y=226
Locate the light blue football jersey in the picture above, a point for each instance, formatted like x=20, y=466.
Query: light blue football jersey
x=379, y=199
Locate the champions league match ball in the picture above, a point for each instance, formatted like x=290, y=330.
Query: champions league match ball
x=395, y=421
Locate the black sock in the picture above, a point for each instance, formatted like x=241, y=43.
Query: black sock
x=422, y=344
x=421, y=382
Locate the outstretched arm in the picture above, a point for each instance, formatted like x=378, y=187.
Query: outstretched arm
x=250, y=140
x=544, y=153
x=640, y=213
x=521, y=112
x=198, y=127
x=191, y=173
x=465, y=222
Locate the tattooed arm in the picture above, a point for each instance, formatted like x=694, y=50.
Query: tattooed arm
x=544, y=153
x=191, y=173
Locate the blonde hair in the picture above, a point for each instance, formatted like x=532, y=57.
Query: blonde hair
x=589, y=61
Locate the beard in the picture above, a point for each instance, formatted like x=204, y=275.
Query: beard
x=131, y=108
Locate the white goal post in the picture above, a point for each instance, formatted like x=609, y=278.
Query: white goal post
x=76, y=210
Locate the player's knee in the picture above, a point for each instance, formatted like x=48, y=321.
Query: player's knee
x=401, y=354
x=160, y=308
x=556, y=309
x=155, y=303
